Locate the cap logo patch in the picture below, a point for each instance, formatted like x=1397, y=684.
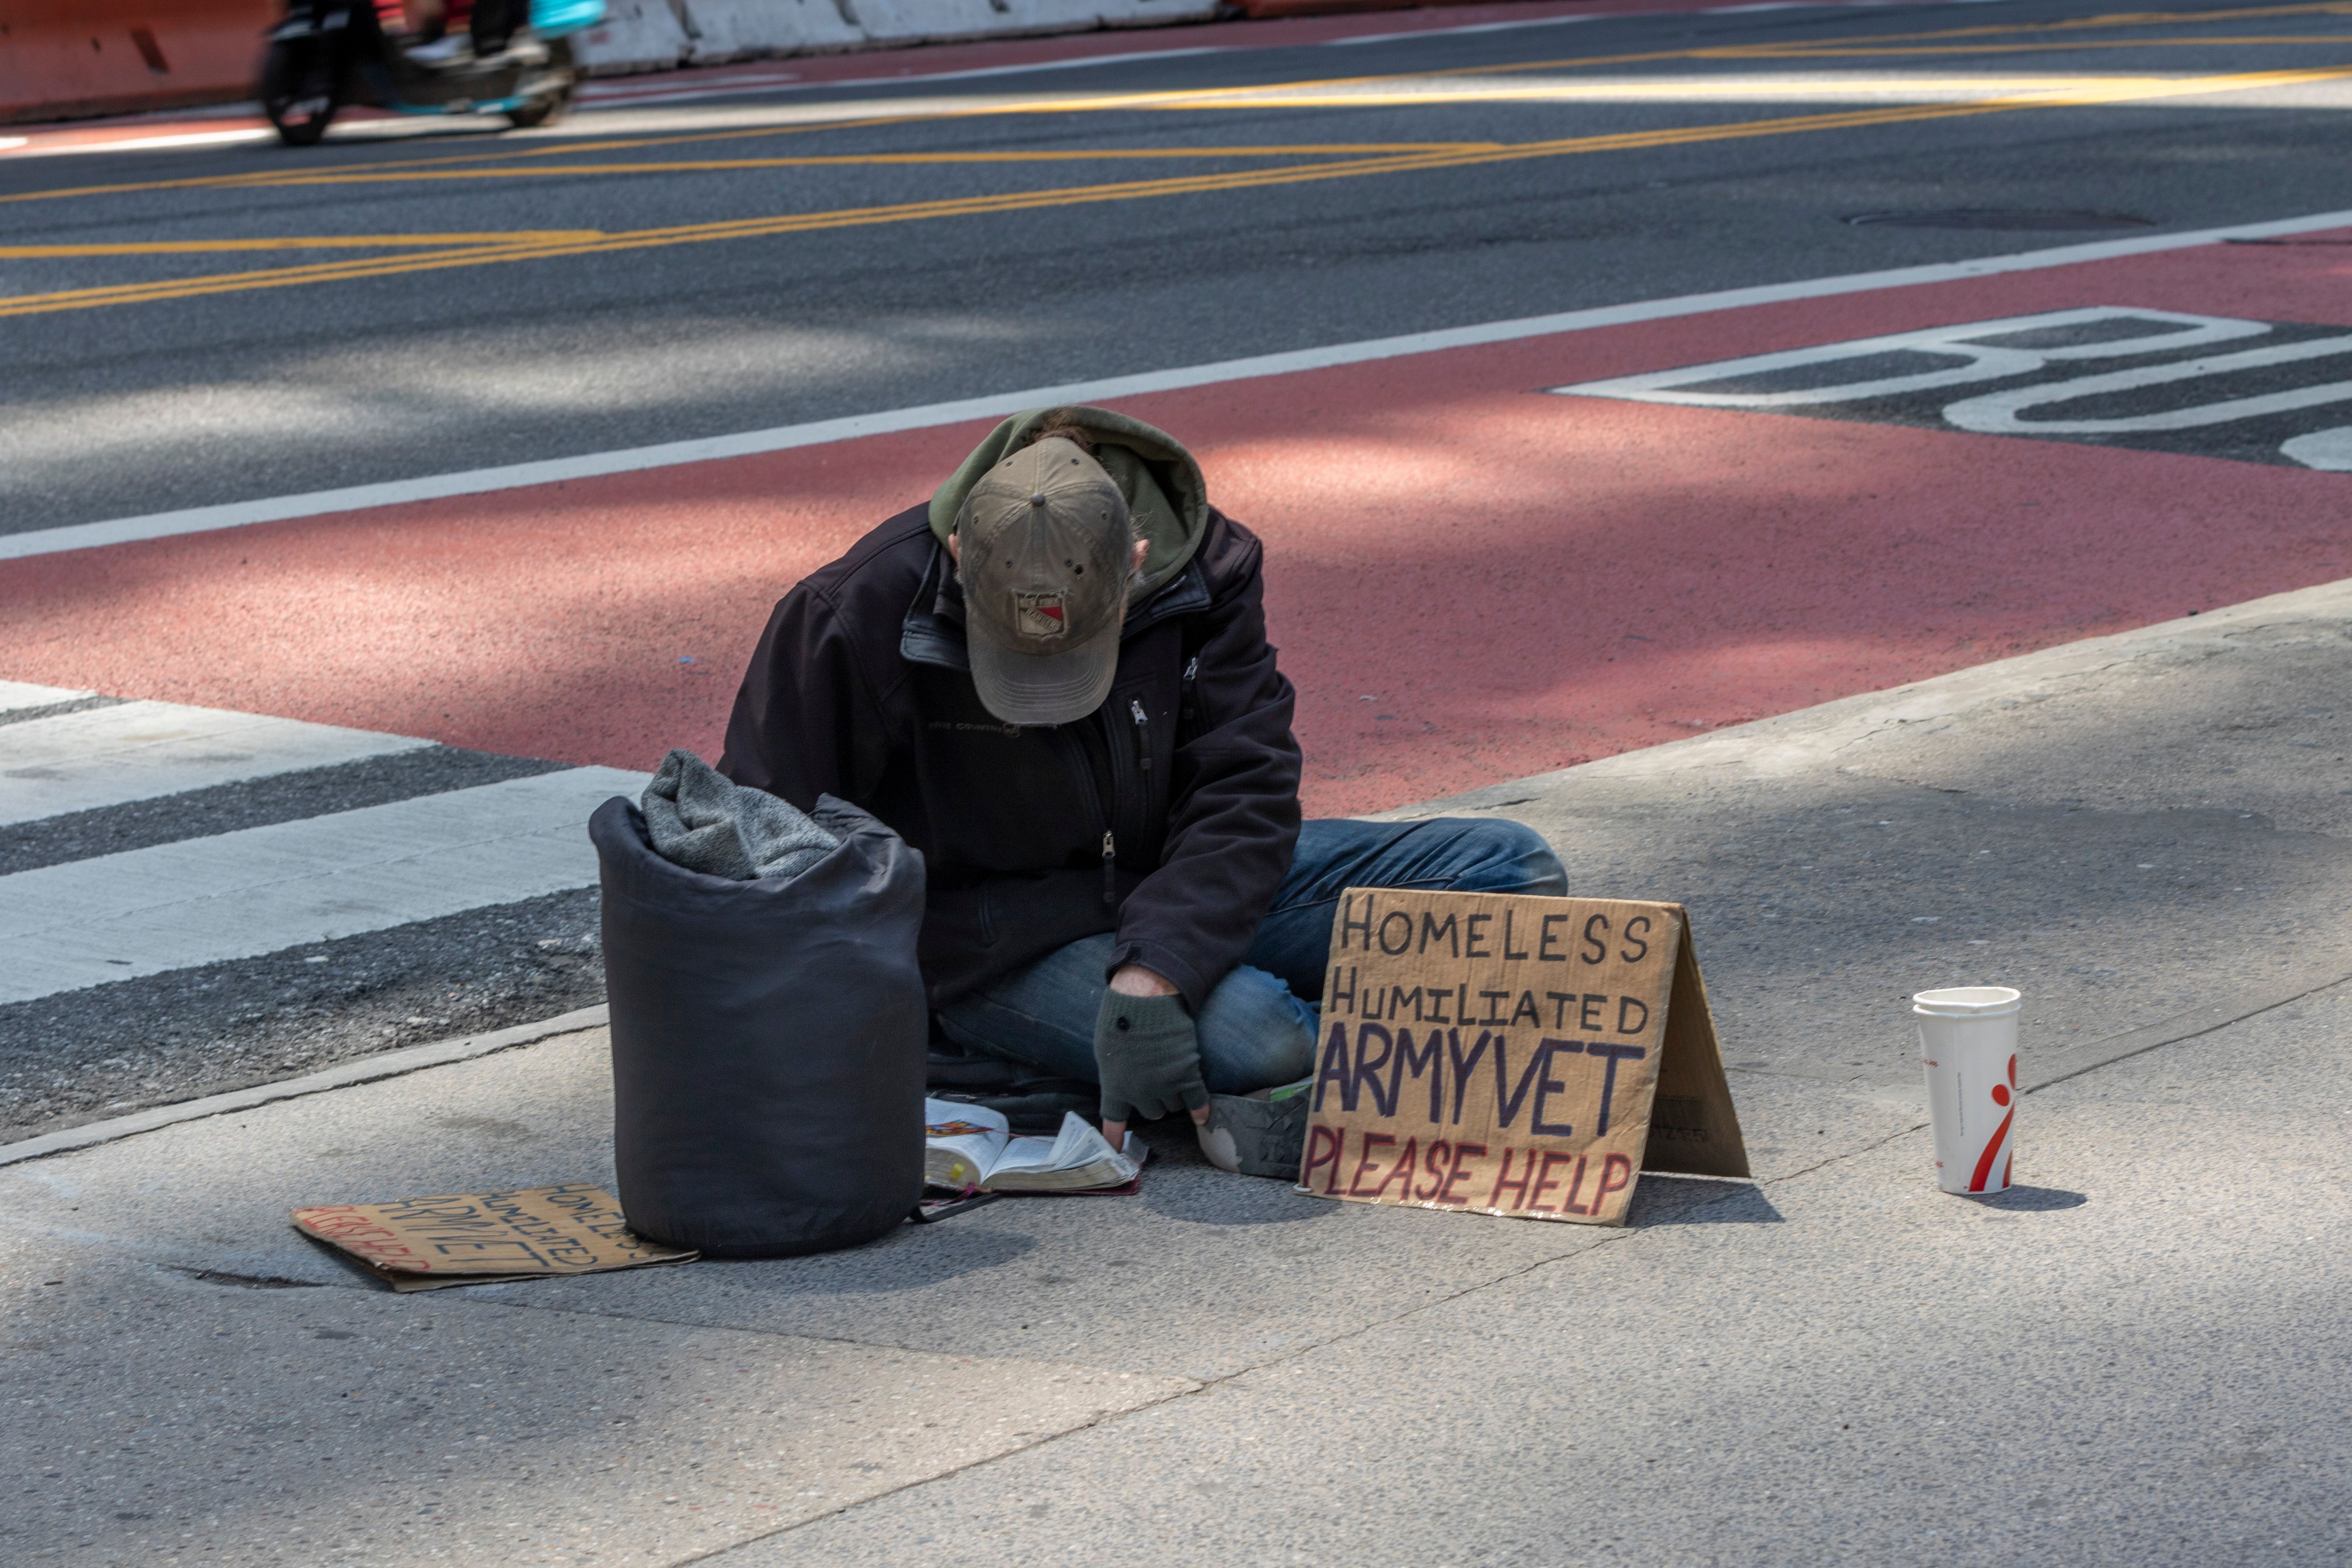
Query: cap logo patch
x=1039, y=616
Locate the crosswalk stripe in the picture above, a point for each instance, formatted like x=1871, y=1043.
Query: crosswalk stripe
x=263, y=890
x=139, y=751
x=17, y=697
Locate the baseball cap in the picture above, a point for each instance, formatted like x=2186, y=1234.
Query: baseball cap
x=1044, y=558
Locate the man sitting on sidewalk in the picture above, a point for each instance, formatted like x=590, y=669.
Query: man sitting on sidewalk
x=1055, y=682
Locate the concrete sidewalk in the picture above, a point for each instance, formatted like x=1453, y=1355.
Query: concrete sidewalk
x=2139, y=1355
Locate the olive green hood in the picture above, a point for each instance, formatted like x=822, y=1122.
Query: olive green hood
x=1166, y=497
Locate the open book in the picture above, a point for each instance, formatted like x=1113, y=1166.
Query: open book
x=969, y=1146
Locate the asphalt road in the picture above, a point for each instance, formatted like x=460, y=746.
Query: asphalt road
x=1126, y=217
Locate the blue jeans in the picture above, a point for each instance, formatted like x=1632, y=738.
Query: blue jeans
x=1259, y=1027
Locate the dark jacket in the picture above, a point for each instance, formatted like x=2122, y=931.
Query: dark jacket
x=1169, y=816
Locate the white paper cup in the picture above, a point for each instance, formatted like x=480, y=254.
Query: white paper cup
x=1968, y=1047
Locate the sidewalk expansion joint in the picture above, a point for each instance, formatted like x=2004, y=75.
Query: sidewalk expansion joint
x=2096, y=1054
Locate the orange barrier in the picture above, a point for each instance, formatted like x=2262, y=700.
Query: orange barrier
x=59, y=58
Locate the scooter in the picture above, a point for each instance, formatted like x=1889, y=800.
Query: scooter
x=329, y=53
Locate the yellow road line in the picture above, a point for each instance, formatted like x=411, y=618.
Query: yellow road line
x=266, y=178
x=2058, y=91
x=912, y=160
x=1859, y=47
x=741, y=228
x=2066, y=88
x=1335, y=94
x=1717, y=52
x=306, y=242
x=1833, y=51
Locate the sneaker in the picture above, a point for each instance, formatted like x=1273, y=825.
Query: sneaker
x=1259, y=1134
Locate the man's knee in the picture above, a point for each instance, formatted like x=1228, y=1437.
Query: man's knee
x=1254, y=1034
x=1499, y=856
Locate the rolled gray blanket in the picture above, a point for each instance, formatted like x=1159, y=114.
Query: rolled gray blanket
x=706, y=823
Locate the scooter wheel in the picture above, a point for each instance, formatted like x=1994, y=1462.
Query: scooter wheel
x=298, y=94
x=549, y=107
x=540, y=111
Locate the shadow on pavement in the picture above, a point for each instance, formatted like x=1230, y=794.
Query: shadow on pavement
x=1680, y=1200
x=909, y=1258
x=2031, y=1200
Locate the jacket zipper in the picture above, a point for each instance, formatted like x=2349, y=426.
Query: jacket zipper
x=1068, y=736
x=1143, y=761
x=1110, y=808
x=1188, y=703
x=1123, y=788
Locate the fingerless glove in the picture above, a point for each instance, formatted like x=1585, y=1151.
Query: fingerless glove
x=1148, y=1058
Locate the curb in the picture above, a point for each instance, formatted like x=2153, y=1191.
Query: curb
x=1842, y=728
x=367, y=1069
x=1759, y=748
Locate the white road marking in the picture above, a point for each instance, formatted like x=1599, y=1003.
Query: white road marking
x=138, y=751
x=15, y=696
x=1998, y=413
x=667, y=94
x=1963, y=341
x=43, y=149
x=594, y=465
x=2329, y=449
x=1982, y=358
x=262, y=889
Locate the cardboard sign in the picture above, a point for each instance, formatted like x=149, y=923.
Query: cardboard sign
x=427, y=1244
x=1514, y=1055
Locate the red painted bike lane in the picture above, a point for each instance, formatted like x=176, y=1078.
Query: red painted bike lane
x=1470, y=580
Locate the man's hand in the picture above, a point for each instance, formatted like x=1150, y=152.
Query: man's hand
x=1145, y=1053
